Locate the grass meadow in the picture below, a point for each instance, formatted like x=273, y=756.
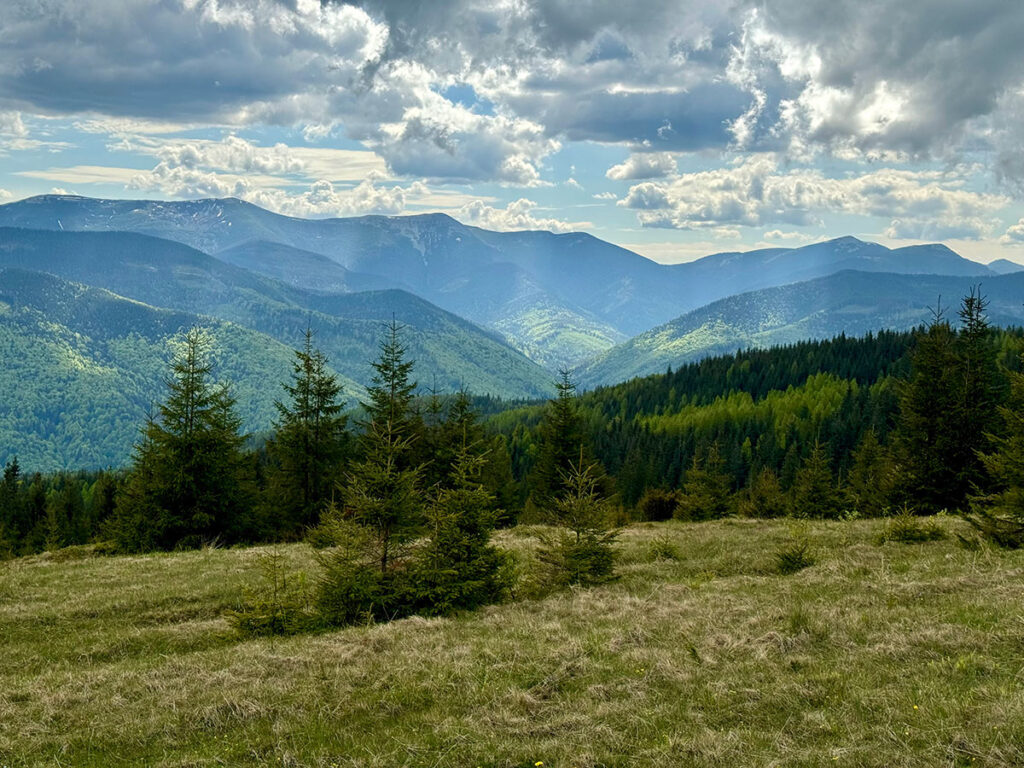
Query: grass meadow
x=699, y=654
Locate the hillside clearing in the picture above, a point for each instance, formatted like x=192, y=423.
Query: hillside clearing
x=891, y=655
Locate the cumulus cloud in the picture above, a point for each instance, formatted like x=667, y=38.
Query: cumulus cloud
x=1014, y=234
x=5, y=194
x=643, y=166
x=756, y=192
x=517, y=215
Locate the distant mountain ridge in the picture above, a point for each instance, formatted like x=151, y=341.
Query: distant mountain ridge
x=561, y=298
x=450, y=351
x=847, y=302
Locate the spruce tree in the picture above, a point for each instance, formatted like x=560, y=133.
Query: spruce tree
x=980, y=391
x=999, y=515
x=925, y=442
x=309, y=442
x=870, y=483
x=186, y=485
x=458, y=568
x=707, y=490
x=366, y=572
x=814, y=493
x=763, y=497
x=560, y=438
x=581, y=548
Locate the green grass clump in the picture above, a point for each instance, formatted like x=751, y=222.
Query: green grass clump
x=895, y=656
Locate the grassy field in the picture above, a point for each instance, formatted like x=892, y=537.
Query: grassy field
x=878, y=655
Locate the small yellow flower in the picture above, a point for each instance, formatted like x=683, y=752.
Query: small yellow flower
x=915, y=706
x=539, y=763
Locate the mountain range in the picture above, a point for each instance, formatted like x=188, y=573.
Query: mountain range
x=559, y=298
x=99, y=286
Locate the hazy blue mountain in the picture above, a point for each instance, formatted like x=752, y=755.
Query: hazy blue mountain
x=846, y=302
x=559, y=297
x=1004, y=266
x=302, y=269
x=450, y=352
x=82, y=367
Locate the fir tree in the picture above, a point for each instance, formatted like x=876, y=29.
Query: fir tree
x=186, y=484
x=706, y=490
x=763, y=497
x=560, y=439
x=309, y=444
x=458, y=568
x=814, y=494
x=581, y=550
x=999, y=515
x=925, y=442
x=870, y=483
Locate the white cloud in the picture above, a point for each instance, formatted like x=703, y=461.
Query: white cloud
x=1014, y=234
x=605, y=196
x=651, y=165
x=517, y=215
x=777, y=235
x=5, y=194
x=755, y=192
x=12, y=125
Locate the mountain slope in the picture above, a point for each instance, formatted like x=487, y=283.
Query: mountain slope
x=559, y=297
x=450, y=352
x=847, y=302
x=83, y=366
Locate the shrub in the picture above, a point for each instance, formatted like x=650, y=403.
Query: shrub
x=662, y=548
x=279, y=604
x=793, y=557
x=907, y=528
x=657, y=505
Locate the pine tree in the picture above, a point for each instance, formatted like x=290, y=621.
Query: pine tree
x=999, y=515
x=186, y=485
x=814, y=493
x=707, y=489
x=309, y=443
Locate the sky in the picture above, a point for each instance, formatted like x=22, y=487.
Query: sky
x=676, y=129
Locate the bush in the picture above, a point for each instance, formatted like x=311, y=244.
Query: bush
x=658, y=505
x=794, y=557
x=662, y=548
x=279, y=604
x=907, y=528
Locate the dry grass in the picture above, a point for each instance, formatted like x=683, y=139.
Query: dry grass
x=887, y=655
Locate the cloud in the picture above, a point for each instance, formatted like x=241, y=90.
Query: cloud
x=11, y=125
x=874, y=76
x=5, y=194
x=755, y=192
x=643, y=166
x=517, y=215
x=605, y=196
x=1015, y=234
x=777, y=235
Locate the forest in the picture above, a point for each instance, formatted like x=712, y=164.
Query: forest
x=401, y=496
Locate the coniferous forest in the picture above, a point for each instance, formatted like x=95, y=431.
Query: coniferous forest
x=400, y=497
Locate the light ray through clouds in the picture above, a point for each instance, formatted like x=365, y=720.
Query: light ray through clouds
x=679, y=126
